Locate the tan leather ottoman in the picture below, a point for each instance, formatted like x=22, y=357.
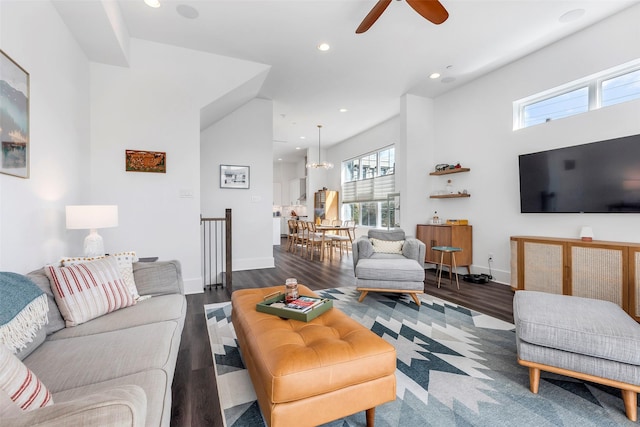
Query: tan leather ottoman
x=306, y=374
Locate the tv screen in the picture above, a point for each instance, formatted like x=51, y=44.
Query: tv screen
x=600, y=177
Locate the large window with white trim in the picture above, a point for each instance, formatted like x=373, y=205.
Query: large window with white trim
x=609, y=87
x=366, y=182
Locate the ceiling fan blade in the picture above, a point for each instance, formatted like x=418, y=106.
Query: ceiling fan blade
x=373, y=16
x=431, y=10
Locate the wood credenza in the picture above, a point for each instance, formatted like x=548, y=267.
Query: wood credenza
x=460, y=236
x=599, y=269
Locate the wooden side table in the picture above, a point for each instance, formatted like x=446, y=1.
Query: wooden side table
x=449, y=250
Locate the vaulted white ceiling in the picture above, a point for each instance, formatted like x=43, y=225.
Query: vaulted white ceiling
x=365, y=74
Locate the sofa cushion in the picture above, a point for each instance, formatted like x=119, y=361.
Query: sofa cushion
x=397, y=234
x=387, y=246
x=75, y=362
x=55, y=319
x=21, y=384
x=390, y=269
x=155, y=383
x=158, y=278
x=89, y=290
x=152, y=310
x=577, y=325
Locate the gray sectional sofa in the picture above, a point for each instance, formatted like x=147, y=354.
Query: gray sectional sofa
x=116, y=369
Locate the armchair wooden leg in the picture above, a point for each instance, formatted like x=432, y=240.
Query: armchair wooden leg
x=415, y=298
x=534, y=380
x=371, y=417
x=362, y=295
x=630, y=399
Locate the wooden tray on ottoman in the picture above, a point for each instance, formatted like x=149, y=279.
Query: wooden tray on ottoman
x=265, y=307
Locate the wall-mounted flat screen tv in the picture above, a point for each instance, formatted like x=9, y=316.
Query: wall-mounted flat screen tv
x=600, y=177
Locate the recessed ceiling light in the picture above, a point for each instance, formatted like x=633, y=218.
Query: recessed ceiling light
x=187, y=11
x=152, y=3
x=572, y=15
x=298, y=148
x=343, y=110
x=303, y=137
x=280, y=159
x=324, y=47
x=434, y=75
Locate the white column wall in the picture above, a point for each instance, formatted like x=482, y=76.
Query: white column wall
x=244, y=137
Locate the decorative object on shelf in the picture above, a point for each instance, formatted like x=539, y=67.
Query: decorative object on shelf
x=145, y=161
x=232, y=176
x=586, y=234
x=441, y=167
x=319, y=164
x=448, y=189
x=14, y=118
x=436, y=218
x=92, y=217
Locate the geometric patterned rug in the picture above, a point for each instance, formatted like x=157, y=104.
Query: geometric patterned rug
x=455, y=367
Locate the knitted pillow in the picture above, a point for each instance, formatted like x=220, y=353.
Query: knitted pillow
x=387, y=246
x=20, y=384
x=125, y=263
x=88, y=290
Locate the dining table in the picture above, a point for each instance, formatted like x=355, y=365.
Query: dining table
x=337, y=229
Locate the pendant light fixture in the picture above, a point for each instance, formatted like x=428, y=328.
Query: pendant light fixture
x=319, y=164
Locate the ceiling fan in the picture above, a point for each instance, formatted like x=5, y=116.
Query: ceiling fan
x=431, y=10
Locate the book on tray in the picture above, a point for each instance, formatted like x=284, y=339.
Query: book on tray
x=302, y=304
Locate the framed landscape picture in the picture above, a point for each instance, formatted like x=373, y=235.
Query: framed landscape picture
x=145, y=161
x=234, y=176
x=14, y=118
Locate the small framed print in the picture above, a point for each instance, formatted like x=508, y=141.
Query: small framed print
x=232, y=176
x=145, y=161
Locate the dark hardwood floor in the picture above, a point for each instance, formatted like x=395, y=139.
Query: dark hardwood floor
x=195, y=396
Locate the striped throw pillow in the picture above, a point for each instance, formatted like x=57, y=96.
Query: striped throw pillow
x=125, y=263
x=387, y=246
x=21, y=384
x=88, y=290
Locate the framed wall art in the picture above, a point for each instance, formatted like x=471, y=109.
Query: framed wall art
x=234, y=176
x=14, y=118
x=145, y=161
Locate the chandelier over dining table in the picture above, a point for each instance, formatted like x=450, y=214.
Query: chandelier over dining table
x=319, y=164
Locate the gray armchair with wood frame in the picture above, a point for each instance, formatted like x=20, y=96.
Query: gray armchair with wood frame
x=388, y=261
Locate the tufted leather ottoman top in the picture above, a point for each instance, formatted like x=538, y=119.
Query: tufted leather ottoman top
x=297, y=360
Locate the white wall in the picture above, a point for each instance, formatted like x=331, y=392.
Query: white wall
x=244, y=137
x=155, y=104
x=474, y=127
x=32, y=224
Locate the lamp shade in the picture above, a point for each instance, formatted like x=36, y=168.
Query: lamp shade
x=91, y=217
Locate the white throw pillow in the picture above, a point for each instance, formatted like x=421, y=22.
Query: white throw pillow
x=21, y=384
x=125, y=263
x=387, y=246
x=88, y=290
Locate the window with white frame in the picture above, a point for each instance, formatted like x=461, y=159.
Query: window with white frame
x=366, y=182
x=613, y=86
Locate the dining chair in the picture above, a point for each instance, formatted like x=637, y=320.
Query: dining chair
x=292, y=230
x=317, y=240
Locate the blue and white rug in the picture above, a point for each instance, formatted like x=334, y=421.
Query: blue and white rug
x=455, y=367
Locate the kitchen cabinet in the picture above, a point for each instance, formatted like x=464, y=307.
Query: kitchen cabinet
x=325, y=205
x=459, y=236
x=597, y=269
